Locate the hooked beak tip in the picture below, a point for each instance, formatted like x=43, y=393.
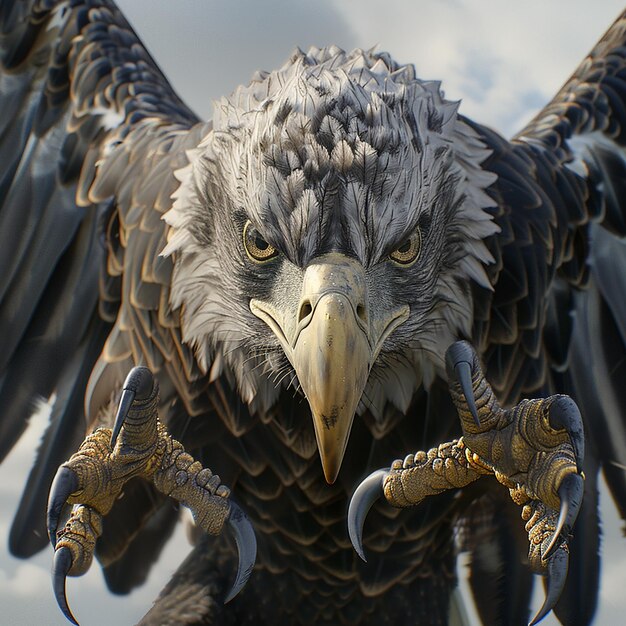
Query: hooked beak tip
x=331, y=475
x=331, y=451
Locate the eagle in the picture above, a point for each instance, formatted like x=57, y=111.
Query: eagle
x=337, y=270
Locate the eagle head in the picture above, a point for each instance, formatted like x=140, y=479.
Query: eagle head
x=325, y=233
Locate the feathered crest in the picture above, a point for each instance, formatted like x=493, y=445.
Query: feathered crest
x=361, y=122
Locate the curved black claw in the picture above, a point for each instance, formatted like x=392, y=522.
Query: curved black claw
x=65, y=483
x=459, y=360
x=138, y=385
x=564, y=414
x=571, y=495
x=557, y=574
x=246, y=545
x=60, y=567
x=370, y=490
x=464, y=376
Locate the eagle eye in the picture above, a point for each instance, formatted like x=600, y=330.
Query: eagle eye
x=408, y=251
x=256, y=247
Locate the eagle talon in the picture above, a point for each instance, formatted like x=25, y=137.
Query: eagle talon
x=555, y=582
x=548, y=552
x=64, y=484
x=464, y=376
x=370, y=490
x=571, y=494
x=245, y=539
x=139, y=385
x=460, y=359
x=526, y=449
x=565, y=415
x=60, y=567
x=138, y=446
x=535, y=449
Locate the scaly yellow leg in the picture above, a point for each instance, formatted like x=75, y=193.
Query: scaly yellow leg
x=138, y=446
x=535, y=449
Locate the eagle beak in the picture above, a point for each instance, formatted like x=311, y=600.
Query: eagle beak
x=331, y=351
x=332, y=345
x=332, y=358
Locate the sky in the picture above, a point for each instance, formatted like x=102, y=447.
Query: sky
x=503, y=60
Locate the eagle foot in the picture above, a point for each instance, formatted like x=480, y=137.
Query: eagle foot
x=137, y=446
x=535, y=449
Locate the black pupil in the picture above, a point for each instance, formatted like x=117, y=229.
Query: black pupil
x=405, y=247
x=260, y=243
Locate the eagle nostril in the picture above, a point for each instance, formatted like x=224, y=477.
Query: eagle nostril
x=361, y=313
x=305, y=310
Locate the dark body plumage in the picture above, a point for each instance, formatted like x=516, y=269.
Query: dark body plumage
x=94, y=143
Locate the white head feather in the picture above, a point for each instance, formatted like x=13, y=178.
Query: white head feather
x=388, y=150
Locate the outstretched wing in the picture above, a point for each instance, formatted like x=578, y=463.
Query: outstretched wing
x=90, y=135
x=556, y=320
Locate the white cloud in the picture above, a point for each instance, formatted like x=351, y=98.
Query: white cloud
x=503, y=59
x=26, y=580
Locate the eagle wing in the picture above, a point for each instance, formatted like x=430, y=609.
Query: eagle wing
x=555, y=321
x=98, y=124
x=90, y=137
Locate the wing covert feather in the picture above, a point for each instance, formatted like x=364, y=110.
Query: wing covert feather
x=90, y=137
